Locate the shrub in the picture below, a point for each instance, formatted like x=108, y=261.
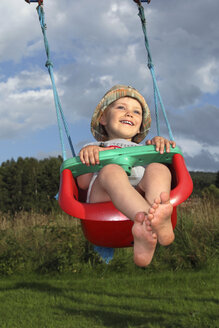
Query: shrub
x=31, y=242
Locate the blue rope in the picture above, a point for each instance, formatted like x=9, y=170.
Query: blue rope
x=59, y=111
x=157, y=95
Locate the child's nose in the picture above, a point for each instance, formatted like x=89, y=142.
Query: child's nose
x=129, y=113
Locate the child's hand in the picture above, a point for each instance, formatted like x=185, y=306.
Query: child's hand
x=161, y=143
x=90, y=154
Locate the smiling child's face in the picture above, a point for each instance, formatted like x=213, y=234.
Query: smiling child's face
x=122, y=119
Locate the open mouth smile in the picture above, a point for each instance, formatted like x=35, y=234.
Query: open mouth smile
x=127, y=122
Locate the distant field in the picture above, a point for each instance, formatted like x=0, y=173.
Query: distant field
x=147, y=300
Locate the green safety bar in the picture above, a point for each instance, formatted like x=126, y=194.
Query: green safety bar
x=126, y=157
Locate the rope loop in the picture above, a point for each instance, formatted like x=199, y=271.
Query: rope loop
x=139, y=1
x=40, y=2
x=49, y=63
x=150, y=65
x=141, y=15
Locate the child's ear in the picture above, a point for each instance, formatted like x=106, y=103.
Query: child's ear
x=140, y=128
x=103, y=119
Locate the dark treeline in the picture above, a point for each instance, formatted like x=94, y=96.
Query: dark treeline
x=202, y=180
x=30, y=184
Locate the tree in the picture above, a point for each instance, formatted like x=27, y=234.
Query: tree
x=28, y=184
x=217, y=180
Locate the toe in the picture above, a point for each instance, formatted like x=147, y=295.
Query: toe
x=148, y=222
x=157, y=201
x=154, y=235
x=150, y=216
x=151, y=210
x=140, y=217
x=155, y=206
x=165, y=198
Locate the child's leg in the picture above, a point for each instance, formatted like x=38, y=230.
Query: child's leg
x=112, y=184
x=156, y=184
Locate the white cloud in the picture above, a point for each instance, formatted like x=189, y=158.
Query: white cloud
x=95, y=44
x=198, y=156
x=18, y=28
x=189, y=146
x=25, y=103
x=208, y=75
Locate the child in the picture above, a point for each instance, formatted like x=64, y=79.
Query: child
x=122, y=118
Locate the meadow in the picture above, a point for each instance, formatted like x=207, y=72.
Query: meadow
x=163, y=299
x=51, y=277
x=54, y=243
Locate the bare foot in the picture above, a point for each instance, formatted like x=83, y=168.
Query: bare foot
x=160, y=216
x=144, y=240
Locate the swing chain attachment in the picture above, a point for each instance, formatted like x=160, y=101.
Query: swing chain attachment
x=40, y=2
x=139, y=1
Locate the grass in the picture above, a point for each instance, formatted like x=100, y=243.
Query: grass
x=179, y=289
x=146, y=300
x=30, y=242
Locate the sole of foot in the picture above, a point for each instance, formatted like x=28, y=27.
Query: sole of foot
x=145, y=240
x=160, y=217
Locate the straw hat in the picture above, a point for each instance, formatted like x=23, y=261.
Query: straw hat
x=115, y=93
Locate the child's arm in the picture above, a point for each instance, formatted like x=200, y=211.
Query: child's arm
x=161, y=143
x=89, y=155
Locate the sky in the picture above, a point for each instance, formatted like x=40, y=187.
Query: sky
x=95, y=45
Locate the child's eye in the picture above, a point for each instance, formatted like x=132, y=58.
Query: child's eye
x=121, y=107
x=137, y=112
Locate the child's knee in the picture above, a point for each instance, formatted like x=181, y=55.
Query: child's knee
x=111, y=171
x=158, y=169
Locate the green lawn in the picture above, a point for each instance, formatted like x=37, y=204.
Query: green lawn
x=149, y=300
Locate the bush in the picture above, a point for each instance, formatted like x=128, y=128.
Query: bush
x=31, y=242
x=211, y=191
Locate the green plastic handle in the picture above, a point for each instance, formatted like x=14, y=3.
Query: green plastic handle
x=126, y=157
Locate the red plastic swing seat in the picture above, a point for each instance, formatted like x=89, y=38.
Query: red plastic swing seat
x=102, y=223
